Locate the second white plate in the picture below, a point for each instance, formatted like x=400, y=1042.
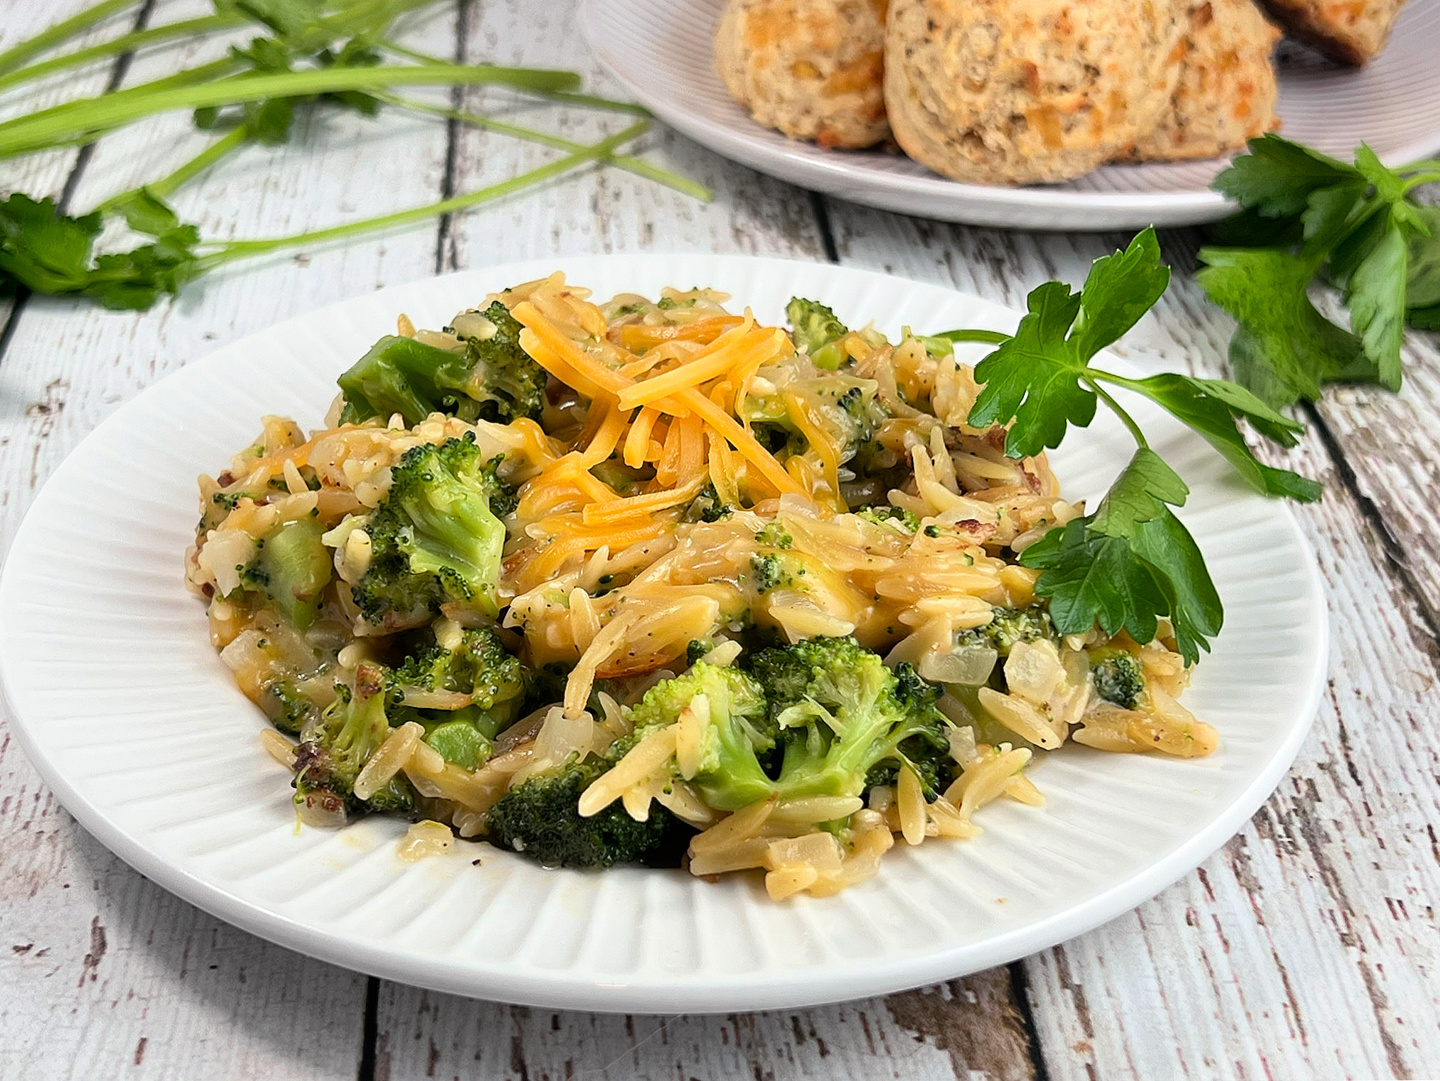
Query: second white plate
x=138, y=727
x=661, y=51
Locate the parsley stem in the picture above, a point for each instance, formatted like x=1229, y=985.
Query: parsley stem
x=1104, y=395
x=231, y=141
x=123, y=44
x=240, y=249
x=632, y=164
x=991, y=337
x=1423, y=178
x=167, y=185
x=40, y=130
x=594, y=101
x=17, y=55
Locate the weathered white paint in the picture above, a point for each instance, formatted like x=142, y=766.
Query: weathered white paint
x=103, y=974
x=1307, y=948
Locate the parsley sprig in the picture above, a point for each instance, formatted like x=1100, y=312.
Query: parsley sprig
x=311, y=55
x=1309, y=218
x=1131, y=562
x=48, y=252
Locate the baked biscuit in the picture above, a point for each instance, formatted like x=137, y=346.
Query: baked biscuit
x=1351, y=31
x=1227, y=87
x=809, y=68
x=1028, y=91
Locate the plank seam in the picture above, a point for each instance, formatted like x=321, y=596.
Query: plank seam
x=72, y=179
x=370, y=1032
x=822, y=222
x=1370, y=511
x=1020, y=995
x=444, y=234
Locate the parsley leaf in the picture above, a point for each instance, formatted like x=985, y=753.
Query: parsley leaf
x=1211, y=408
x=1035, y=377
x=1277, y=177
x=1377, y=307
x=1287, y=349
x=1130, y=564
x=41, y=249
x=51, y=253
x=1307, y=217
x=1119, y=289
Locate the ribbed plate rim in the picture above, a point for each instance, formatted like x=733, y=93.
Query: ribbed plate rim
x=1053, y=206
x=704, y=993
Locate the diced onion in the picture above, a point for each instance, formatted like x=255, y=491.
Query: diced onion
x=969, y=666
x=1033, y=671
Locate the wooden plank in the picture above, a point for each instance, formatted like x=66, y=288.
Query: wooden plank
x=1301, y=949
x=605, y=210
x=120, y=977
x=1392, y=448
x=943, y=1032
x=939, y=1034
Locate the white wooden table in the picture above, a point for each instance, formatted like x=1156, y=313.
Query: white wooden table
x=1306, y=948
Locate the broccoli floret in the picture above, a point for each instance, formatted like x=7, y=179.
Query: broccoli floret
x=860, y=721
x=891, y=517
x=697, y=649
x=288, y=709
x=479, y=666
x=293, y=567
x=504, y=379
x=350, y=731
x=706, y=507
x=739, y=731
x=434, y=540
x=845, y=407
x=927, y=751
x=540, y=819
x=1117, y=677
x=1008, y=626
x=768, y=571
x=816, y=330
x=492, y=379
x=775, y=535
x=813, y=719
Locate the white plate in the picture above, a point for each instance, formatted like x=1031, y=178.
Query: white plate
x=660, y=49
x=137, y=726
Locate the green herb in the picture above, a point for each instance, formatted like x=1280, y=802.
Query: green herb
x=1131, y=562
x=78, y=23
x=47, y=252
x=489, y=123
x=1305, y=218
x=314, y=53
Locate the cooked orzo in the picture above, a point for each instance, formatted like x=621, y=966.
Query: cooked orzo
x=652, y=581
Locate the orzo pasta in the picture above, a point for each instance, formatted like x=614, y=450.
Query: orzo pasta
x=656, y=581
